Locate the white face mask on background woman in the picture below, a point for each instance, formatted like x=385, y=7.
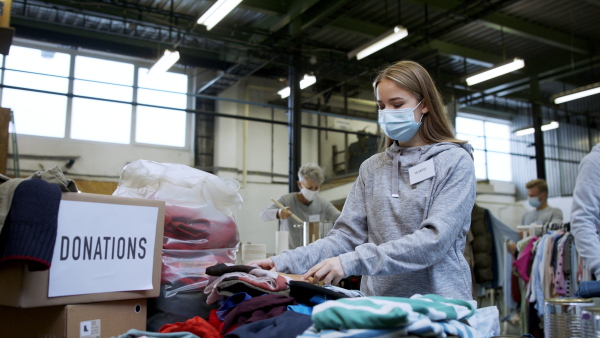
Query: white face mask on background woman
x=399, y=124
x=309, y=194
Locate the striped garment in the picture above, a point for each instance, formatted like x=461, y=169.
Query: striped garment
x=429, y=316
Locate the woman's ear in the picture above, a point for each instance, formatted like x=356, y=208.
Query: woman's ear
x=425, y=110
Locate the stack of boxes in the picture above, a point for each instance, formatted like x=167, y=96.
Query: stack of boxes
x=106, y=262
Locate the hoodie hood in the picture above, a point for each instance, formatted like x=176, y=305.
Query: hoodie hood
x=412, y=156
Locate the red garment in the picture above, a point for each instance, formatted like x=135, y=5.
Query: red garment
x=202, y=227
x=213, y=320
x=196, y=325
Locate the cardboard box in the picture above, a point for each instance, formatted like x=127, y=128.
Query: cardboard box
x=22, y=288
x=93, y=320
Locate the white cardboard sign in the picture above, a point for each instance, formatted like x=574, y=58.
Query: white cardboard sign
x=102, y=248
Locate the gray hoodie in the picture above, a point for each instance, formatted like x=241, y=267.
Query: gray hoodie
x=585, y=211
x=404, y=245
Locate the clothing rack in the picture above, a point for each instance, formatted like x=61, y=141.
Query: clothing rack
x=531, y=228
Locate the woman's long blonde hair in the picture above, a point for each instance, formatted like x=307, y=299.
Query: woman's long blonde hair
x=412, y=77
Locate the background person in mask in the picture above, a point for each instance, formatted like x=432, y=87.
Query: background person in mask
x=406, y=218
x=537, y=191
x=305, y=204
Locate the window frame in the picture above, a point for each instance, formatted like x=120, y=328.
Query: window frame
x=137, y=63
x=487, y=119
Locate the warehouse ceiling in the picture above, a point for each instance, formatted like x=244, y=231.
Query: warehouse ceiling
x=558, y=39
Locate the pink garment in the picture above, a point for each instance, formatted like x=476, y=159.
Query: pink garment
x=270, y=281
x=523, y=263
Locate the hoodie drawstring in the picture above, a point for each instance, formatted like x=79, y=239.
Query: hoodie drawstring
x=395, y=175
x=395, y=170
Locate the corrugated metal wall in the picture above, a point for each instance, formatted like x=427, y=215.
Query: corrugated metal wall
x=564, y=148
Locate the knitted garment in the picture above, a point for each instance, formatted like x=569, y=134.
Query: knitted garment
x=29, y=232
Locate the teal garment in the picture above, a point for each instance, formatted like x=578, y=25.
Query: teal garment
x=387, y=312
x=133, y=333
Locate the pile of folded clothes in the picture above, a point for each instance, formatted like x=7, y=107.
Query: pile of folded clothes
x=257, y=303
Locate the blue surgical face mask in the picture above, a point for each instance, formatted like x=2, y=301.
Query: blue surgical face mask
x=534, y=201
x=399, y=124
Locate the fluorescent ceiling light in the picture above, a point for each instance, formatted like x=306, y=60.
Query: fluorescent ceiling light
x=307, y=81
x=547, y=126
x=217, y=12
x=379, y=42
x=495, y=72
x=577, y=93
x=165, y=62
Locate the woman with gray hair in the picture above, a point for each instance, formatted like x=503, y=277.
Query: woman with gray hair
x=306, y=204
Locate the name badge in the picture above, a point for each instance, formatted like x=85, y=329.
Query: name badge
x=421, y=172
x=314, y=218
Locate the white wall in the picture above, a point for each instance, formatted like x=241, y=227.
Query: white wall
x=97, y=160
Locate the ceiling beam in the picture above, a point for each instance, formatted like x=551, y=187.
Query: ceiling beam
x=50, y=27
x=370, y=31
x=295, y=10
x=320, y=11
x=521, y=28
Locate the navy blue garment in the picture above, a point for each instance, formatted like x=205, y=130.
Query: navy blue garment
x=304, y=293
x=588, y=289
x=289, y=324
x=29, y=232
x=227, y=304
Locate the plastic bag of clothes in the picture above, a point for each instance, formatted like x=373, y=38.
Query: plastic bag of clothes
x=199, y=225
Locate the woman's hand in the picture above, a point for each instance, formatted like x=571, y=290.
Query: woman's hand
x=285, y=213
x=266, y=264
x=330, y=271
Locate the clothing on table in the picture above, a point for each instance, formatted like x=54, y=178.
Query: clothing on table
x=223, y=268
x=133, y=333
x=226, y=304
x=585, y=211
x=305, y=293
x=427, y=315
x=548, y=215
x=288, y=325
x=255, y=309
x=255, y=283
x=346, y=292
x=588, y=289
x=318, y=206
x=403, y=239
x=195, y=325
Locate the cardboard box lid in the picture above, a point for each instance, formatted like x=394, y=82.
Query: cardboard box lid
x=22, y=288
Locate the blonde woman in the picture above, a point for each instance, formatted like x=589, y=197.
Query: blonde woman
x=405, y=221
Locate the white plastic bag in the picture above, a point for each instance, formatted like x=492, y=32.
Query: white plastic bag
x=180, y=185
x=199, y=225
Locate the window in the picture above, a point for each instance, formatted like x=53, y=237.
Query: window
x=158, y=125
x=37, y=113
x=104, y=92
x=491, y=143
